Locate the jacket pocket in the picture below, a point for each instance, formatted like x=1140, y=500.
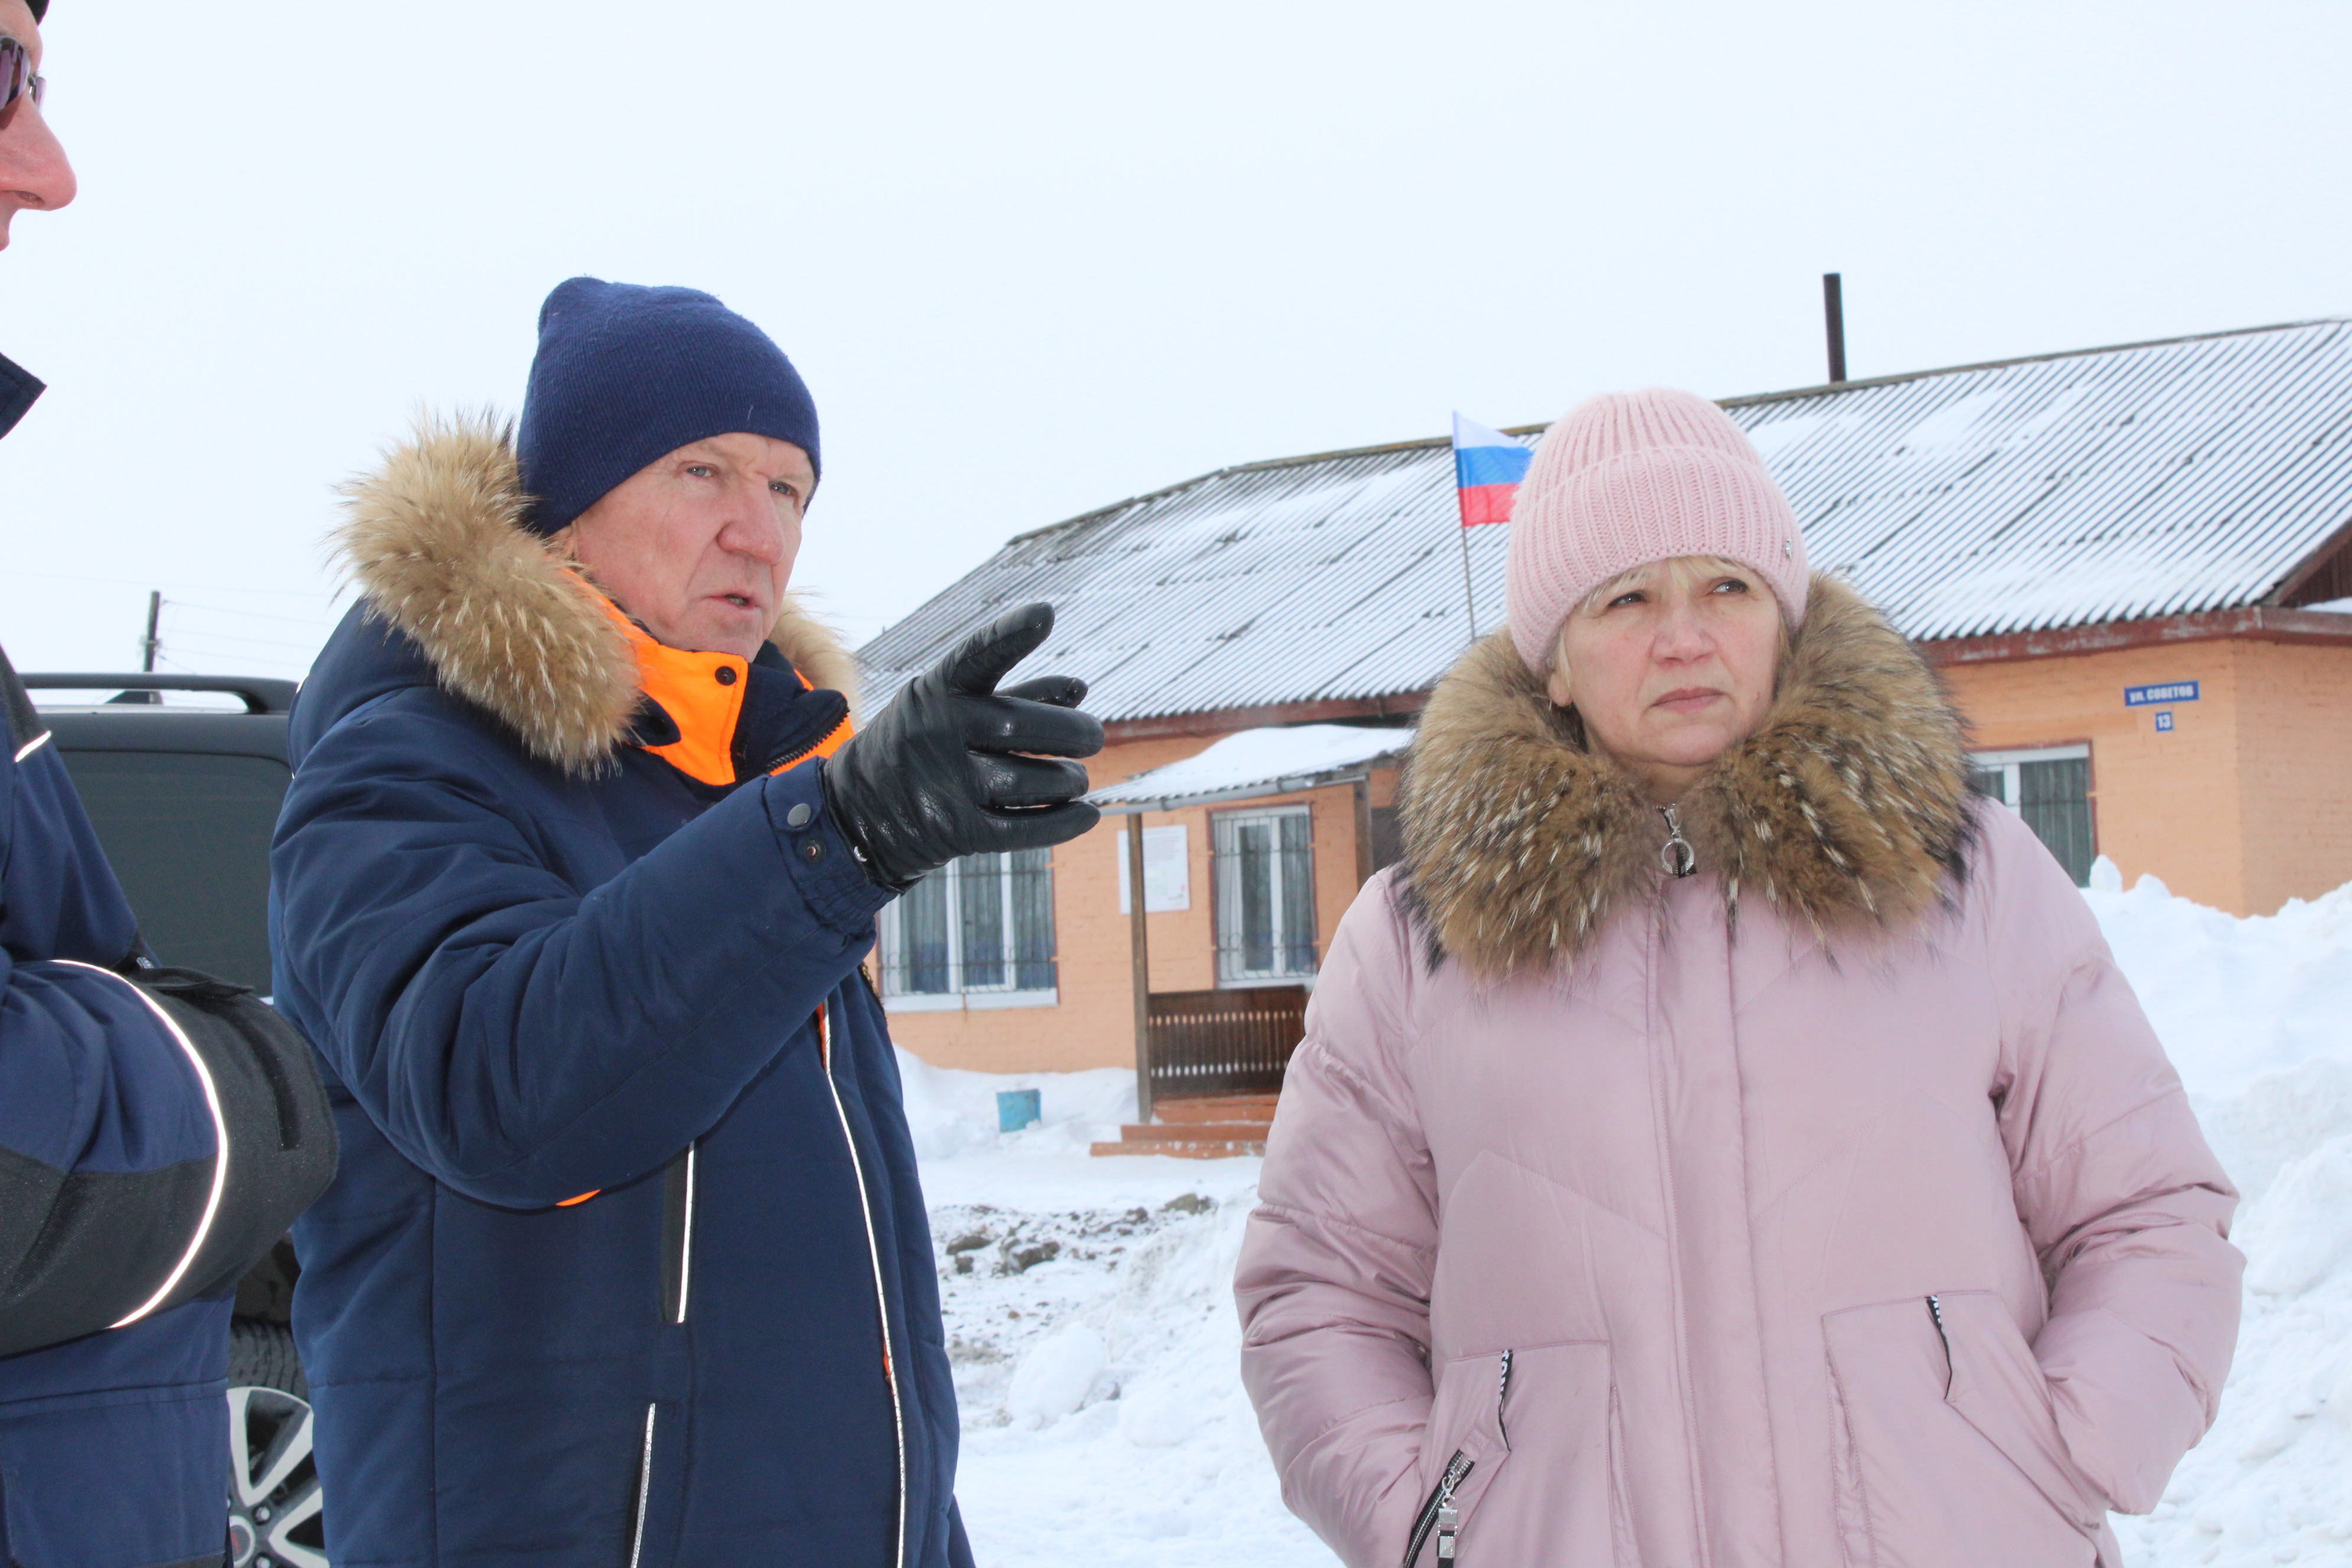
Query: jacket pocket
x=1461, y=1454
x=1997, y=1388
x=1946, y=1454
x=1552, y=1403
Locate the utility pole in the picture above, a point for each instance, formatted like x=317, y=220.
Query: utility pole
x=148, y=644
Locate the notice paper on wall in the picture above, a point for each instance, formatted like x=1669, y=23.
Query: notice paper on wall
x=1167, y=871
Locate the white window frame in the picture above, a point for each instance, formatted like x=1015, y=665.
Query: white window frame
x=1225, y=874
x=2007, y=764
x=958, y=997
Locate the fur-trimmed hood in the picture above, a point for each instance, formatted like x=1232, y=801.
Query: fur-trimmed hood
x=1847, y=809
x=435, y=539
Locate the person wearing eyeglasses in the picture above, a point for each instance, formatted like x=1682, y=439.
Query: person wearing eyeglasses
x=34, y=173
x=123, y=1167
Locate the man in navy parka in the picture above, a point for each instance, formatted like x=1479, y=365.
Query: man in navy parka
x=627, y=1264
x=113, y=1164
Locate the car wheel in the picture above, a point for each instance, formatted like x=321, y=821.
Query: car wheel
x=274, y=1503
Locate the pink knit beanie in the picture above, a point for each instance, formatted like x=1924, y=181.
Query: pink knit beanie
x=1630, y=477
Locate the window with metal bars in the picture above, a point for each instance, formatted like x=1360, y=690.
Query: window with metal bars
x=979, y=929
x=1264, y=866
x=2051, y=789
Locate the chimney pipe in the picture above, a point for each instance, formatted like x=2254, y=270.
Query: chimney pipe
x=1834, y=309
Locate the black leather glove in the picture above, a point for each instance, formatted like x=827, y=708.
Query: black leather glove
x=937, y=774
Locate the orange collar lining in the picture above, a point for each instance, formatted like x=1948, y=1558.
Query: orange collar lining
x=705, y=706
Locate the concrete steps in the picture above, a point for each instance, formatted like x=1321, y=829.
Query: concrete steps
x=1212, y=1128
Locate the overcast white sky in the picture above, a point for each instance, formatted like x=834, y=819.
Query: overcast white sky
x=1034, y=258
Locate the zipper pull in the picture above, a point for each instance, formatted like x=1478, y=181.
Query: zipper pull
x=1449, y=1519
x=1439, y=1513
x=1936, y=1312
x=1676, y=854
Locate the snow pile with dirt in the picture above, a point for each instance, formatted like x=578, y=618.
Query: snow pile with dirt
x=1090, y=1319
x=1090, y=1323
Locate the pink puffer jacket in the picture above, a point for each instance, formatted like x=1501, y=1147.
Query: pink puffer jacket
x=1833, y=1206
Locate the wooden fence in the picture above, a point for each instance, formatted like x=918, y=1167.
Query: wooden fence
x=1224, y=1042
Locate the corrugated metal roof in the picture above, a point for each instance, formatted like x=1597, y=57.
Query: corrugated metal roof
x=2156, y=478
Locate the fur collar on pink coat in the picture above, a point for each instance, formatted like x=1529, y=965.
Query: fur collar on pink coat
x=1846, y=810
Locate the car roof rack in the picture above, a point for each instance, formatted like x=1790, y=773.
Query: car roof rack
x=262, y=694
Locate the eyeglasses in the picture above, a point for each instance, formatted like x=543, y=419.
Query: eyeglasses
x=17, y=78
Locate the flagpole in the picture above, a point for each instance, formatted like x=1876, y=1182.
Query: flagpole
x=1469, y=599
x=1462, y=519
x=1488, y=465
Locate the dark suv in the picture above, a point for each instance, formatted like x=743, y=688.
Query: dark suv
x=185, y=798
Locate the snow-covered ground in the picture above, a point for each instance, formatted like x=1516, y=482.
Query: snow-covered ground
x=1090, y=1317
x=1093, y=1333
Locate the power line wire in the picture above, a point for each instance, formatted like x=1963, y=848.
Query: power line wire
x=203, y=627
x=170, y=603
x=180, y=640
x=151, y=584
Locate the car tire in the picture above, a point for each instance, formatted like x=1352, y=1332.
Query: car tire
x=275, y=1505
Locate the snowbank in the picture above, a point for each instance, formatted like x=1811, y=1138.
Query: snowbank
x=1091, y=1323
x=953, y=1113
x=1045, y=1167
x=2257, y=1014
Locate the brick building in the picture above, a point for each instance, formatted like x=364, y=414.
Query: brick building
x=2133, y=565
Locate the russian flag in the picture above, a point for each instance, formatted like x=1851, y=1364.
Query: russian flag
x=1487, y=468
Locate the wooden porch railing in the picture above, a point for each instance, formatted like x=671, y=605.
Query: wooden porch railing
x=1224, y=1042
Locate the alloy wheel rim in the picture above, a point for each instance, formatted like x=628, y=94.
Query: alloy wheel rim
x=274, y=1500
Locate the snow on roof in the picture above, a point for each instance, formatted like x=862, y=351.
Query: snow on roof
x=2111, y=484
x=1257, y=762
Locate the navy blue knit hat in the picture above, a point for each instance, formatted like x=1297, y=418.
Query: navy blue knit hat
x=625, y=375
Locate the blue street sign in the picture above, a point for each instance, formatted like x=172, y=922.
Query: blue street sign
x=2155, y=696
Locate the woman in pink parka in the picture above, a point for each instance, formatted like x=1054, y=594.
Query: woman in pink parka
x=1724, y=1142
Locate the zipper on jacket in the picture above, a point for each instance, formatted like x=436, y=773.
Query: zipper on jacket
x=792, y=754
x=1936, y=1312
x=1438, y=1513
x=873, y=1250
x=678, y=1227
x=800, y=752
x=1676, y=854
x=1503, y=1392
x=644, y=1490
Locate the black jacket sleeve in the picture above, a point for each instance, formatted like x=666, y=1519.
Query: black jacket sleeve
x=156, y=1137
